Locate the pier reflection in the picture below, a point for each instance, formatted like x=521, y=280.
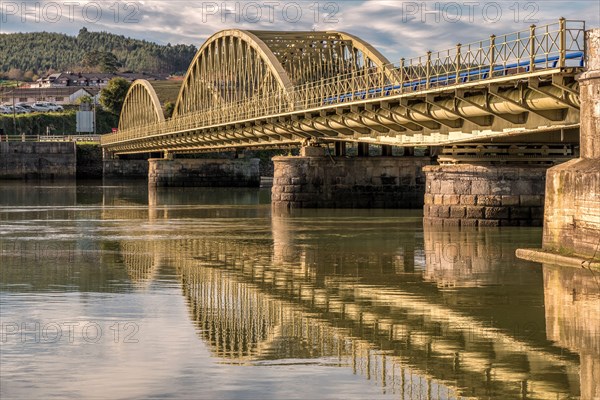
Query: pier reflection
x=471, y=257
x=572, y=304
x=364, y=292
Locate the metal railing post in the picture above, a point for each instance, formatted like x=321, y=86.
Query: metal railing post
x=402, y=77
x=428, y=73
x=458, y=63
x=563, y=42
x=492, y=55
x=531, y=48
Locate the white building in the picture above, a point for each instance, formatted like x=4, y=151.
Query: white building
x=58, y=95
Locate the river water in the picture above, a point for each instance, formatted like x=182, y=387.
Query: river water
x=117, y=292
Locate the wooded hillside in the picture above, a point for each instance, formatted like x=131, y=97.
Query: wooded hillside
x=26, y=56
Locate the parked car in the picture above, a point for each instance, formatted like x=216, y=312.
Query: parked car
x=24, y=106
x=54, y=106
x=18, y=110
x=5, y=110
x=40, y=106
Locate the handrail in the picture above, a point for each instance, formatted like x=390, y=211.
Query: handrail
x=556, y=45
x=50, y=138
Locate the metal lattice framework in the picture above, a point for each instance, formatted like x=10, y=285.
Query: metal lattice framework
x=252, y=67
x=270, y=89
x=141, y=106
x=232, y=66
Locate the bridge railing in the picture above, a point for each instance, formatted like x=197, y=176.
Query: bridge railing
x=51, y=138
x=548, y=47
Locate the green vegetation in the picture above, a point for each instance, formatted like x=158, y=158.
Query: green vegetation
x=85, y=99
x=59, y=122
x=26, y=56
x=103, y=61
x=169, y=108
x=113, y=95
x=4, y=84
x=167, y=91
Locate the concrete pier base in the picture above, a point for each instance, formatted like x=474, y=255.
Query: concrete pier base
x=572, y=218
x=319, y=181
x=484, y=195
x=122, y=168
x=240, y=172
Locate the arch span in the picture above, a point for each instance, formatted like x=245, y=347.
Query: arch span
x=231, y=66
x=236, y=65
x=141, y=106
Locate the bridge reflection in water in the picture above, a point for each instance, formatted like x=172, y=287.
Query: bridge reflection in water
x=453, y=315
x=572, y=300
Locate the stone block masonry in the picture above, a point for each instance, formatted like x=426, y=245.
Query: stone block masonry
x=341, y=182
x=572, y=217
x=484, y=195
x=123, y=168
x=242, y=172
x=37, y=160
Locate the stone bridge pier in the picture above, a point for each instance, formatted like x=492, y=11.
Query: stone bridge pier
x=204, y=172
x=484, y=194
x=183, y=172
x=316, y=179
x=572, y=216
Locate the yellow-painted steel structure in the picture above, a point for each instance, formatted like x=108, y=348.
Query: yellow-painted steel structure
x=141, y=104
x=272, y=89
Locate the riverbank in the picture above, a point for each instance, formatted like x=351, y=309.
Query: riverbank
x=68, y=160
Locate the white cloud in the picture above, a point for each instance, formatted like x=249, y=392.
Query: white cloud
x=396, y=28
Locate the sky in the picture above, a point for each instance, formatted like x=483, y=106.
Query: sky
x=396, y=28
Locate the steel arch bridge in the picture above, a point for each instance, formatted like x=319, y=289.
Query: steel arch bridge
x=272, y=89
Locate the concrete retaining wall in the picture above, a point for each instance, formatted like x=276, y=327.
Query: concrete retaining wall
x=476, y=195
x=23, y=160
x=339, y=182
x=243, y=172
x=89, y=161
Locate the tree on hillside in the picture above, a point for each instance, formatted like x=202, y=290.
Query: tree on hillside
x=113, y=95
x=30, y=76
x=15, y=74
x=41, y=52
x=102, y=61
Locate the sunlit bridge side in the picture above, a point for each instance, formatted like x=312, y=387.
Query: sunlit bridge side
x=272, y=89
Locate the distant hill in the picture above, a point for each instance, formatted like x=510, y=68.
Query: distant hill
x=26, y=55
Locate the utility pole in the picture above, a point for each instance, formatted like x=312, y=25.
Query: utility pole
x=14, y=110
x=94, y=117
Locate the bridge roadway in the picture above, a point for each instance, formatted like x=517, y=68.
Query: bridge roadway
x=264, y=89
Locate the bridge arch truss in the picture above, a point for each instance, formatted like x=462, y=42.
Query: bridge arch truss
x=141, y=107
x=272, y=89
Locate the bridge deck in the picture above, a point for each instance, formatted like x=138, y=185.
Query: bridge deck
x=448, y=96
